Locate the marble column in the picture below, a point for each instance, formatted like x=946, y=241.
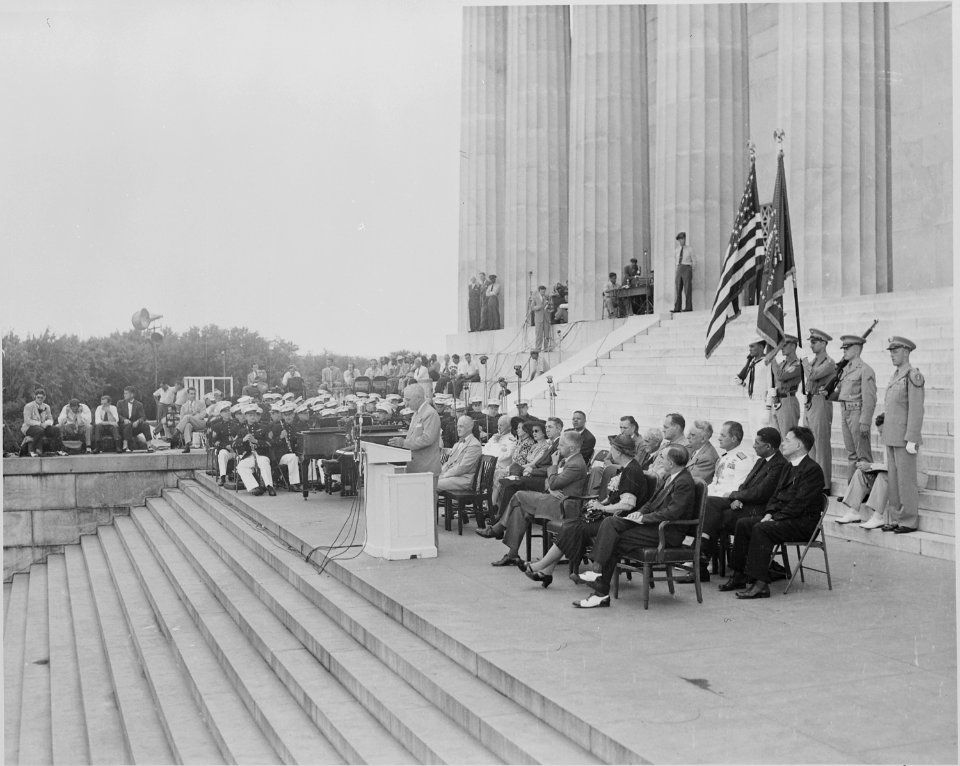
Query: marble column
x=482, y=148
x=702, y=128
x=609, y=137
x=834, y=107
x=538, y=74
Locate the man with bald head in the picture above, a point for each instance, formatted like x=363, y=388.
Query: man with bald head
x=423, y=434
x=457, y=473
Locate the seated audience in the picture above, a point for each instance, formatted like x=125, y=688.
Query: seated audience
x=791, y=514
x=703, y=456
x=467, y=372
x=533, y=475
x=629, y=535
x=565, y=476
x=587, y=440
x=502, y=446
x=133, y=422
x=193, y=417
x=673, y=425
x=166, y=397
x=630, y=489
x=457, y=473
x=38, y=425
x=76, y=423
x=106, y=419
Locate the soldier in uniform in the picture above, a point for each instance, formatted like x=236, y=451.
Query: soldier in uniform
x=287, y=444
x=901, y=436
x=252, y=436
x=786, y=376
x=221, y=431
x=857, y=395
x=820, y=369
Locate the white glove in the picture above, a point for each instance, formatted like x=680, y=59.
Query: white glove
x=912, y=448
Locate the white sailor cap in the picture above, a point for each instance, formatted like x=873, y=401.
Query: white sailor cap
x=302, y=408
x=406, y=411
x=220, y=406
x=460, y=406
x=394, y=398
x=476, y=400
x=288, y=397
x=245, y=400
x=236, y=407
x=493, y=403
x=249, y=407
x=522, y=403
x=385, y=407
x=270, y=397
x=288, y=407
x=276, y=407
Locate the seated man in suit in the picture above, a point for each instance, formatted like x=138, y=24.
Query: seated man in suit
x=588, y=441
x=725, y=505
x=133, y=422
x=193, y=415
x=791, y=514
x=703, y=455
x=458, y=472
x=534, y=476
x=629, y=535
x=565, y=477
x=106, y=418
x=673, y=427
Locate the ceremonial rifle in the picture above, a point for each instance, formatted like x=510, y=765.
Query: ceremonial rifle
x=841, y=365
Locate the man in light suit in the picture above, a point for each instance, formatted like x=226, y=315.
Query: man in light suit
x=703, y=457
x=629, y=535
x=423, y=435
x=539, y=303
x=565, y=476
x=133, y=421
x=458, y=472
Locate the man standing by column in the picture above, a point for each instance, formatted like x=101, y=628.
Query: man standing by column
x=820, y=369
x=683, y=258
x=539, y=303
x=857, y=394
x=901, y=436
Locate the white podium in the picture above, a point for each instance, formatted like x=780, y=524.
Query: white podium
x=399, y=506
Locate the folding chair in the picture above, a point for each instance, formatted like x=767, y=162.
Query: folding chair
x=818, y=539
x=478, y=497
x=665, y=559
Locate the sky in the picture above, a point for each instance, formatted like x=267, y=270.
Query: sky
x=287, y=166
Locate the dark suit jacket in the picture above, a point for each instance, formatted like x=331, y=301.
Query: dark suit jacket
x=588, y=443
x=761, y=482
x=136, y=415
x=540, y=468
x=673, y=502
x=569, y=480
x=799, y=493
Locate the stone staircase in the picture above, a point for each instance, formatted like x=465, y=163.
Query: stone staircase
x=663, y=370
x=183, y=634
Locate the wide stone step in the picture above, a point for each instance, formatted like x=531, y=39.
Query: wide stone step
x=67, y=721
x=14, y=641
x=927, y=459
x=36, y=744
x=286, y=726
x=503, y=727
x=189, y=738
x=105, y=736
x=341, y=719
x=142, y=728
x=920, y=542
x=234, y=729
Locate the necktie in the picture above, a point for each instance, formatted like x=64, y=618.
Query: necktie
x=750, y=382
x=680, y=256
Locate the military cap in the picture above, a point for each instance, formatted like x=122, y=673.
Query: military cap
x=757, y=340
x=681, y=235
x=269, y=397
x=460, y=406
x=493, y=403
x=851, y=340
x=220, y=406
x=276, y=407
x=250, y=407
x=236, y=408
x=522, y=403
x=288, y=397
x=385, y=407
x=406, y=411
x=791, y=339
x=816, y=334
x=244, y=400
x=302, y=408
x=476, y=400
x=898, y=341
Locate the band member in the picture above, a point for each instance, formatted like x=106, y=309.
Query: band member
x=221, y=432
x=285, y=445
x=253, y=467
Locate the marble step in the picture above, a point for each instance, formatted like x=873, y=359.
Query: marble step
x=36, y=745
x=283, y=722
x=461, y=696
x=183, y=721
x=14, y=644
x=508, y=721
x=67, y=720
x=105, y=736
x=920, y=542
x=143, y=729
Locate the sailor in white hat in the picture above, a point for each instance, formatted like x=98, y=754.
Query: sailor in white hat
x=253, y=467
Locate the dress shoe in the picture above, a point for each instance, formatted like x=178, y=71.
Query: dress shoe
x=757, y=590
x=850, y=517
x=489, y=532
x=544, y=579
x=507, y=561
x=589, y=576
x=733, y=583
x=688, y=578
x=904, y=530
x=221, y=481
x=874, y=522
x=592, y=602
x=186, y=450
x=889, y=527
x=271, y=491
x=257, y=491
x=296, y=488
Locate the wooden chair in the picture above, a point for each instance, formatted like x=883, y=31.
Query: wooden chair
x=818, y=540
x=665, y=559
x=479, y=497
x=571, y=510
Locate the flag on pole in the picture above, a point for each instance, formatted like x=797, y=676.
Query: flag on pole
x=739, y=264
x=778, y=263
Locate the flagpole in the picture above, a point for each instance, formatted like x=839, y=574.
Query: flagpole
x=779, y=134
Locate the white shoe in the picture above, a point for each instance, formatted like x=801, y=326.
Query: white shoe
x=593, y=602
x=589, y=576
x=850, y=517
x=875, y=522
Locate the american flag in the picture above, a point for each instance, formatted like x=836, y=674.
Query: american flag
x=739, y=264
x=778, y=263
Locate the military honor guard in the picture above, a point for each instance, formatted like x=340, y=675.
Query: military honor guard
x=857, y=395
x=253, y=467
x=786, y=376
x=820, y=370
x=903, y=421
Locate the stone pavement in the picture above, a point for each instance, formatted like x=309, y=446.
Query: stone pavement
x=866, y=672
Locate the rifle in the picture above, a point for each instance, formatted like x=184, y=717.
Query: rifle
x=835, y=381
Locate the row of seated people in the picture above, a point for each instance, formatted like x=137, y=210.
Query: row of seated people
x=773, y=495
x=392, y=375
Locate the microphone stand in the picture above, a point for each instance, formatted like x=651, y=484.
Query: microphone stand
x=553, y=397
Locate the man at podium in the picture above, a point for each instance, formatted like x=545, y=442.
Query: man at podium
x=423, y=435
